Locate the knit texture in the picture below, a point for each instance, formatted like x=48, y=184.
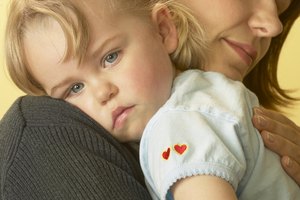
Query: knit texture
x=51, y=150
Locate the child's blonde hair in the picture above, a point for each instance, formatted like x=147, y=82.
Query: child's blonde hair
x=23, y=14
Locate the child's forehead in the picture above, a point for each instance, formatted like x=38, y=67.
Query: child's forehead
x=102, y=8
x=98, y=8
x=95, y=19
x=47, y=35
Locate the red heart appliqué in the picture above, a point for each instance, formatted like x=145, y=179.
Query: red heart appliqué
x=180, y=148
x=166, y=154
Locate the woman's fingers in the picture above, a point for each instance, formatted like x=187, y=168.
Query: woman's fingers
x=277, y=116
x=277, y=124
x=281, y=145
x=282, y=136
x=289, y=151
x=292, y=168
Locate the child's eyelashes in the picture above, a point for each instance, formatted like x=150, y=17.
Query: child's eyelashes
x=77, y=87
x=74, y=89
x=111, y=59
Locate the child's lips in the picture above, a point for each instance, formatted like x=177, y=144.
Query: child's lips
x=119, y=116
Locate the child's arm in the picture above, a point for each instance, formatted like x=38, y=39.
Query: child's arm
x=189, y=147
x=203, y=187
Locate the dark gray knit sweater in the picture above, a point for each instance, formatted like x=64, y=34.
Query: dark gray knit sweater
x=51, y=150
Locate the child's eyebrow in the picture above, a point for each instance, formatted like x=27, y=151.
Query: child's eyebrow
x=99, y=46
x=63, y=83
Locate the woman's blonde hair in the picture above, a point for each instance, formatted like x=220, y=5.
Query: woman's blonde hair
x=25, y=13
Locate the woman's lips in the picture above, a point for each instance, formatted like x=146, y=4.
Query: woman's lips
x=119, y=116
x=246, y=52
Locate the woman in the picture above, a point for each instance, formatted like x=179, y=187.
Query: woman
x=48, y=152
x=280, y=134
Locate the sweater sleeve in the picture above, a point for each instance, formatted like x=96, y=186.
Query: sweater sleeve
x=51, y=150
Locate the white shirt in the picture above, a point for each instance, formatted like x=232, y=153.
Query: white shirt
x=205, y=128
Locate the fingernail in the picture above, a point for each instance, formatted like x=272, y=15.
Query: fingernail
x=288, y=162
x=261, y=120
x=257, y=110
x=270, y=137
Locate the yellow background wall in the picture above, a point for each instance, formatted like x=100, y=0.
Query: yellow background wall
x=289, y=71
x=8, y=92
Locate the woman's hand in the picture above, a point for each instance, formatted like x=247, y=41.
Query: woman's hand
x=282, y=136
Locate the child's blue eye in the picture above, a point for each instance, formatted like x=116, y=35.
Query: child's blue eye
x=77, y=88
x=111, y=58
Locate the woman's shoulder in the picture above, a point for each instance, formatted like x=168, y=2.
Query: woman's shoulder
x=51, y=149
x=33, y=117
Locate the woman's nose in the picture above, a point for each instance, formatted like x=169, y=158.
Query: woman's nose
x=264, y=21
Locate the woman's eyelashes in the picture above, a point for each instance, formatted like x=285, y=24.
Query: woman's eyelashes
x=283, y=5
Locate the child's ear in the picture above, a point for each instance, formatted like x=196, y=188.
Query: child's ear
x=166, y=27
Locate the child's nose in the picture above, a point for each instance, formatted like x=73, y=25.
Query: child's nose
x=105, y=91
